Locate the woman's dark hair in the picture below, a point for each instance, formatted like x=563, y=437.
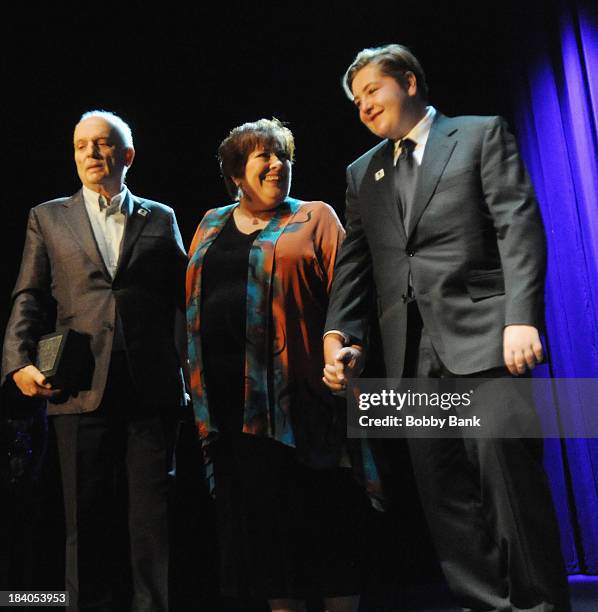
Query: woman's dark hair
x=242, y=140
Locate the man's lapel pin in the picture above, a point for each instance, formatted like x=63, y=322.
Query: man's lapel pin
x=379, y=174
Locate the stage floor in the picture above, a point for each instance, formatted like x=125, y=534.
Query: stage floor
x=435, y=597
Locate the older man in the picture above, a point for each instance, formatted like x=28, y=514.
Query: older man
x=109, y=265
x=444, y=235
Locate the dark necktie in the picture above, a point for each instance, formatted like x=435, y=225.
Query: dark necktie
x=405, y=179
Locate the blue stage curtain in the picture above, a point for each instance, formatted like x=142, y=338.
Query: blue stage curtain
x=555, y=86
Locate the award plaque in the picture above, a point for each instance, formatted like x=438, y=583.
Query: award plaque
x=64, y=358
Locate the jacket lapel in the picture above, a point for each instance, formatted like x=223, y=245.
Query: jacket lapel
x=134, y=225
x=77, y=220
x=438, y=151
x=380, y=177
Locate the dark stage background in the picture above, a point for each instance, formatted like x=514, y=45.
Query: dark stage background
x=183, y=82
x=182, y=77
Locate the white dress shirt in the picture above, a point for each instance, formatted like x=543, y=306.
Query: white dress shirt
x=419, y=135
x=108, y=223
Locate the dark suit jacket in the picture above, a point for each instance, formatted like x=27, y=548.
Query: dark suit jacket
x=63, y=283
x=475, y=247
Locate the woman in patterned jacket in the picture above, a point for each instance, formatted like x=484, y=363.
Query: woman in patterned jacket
x=257, y=291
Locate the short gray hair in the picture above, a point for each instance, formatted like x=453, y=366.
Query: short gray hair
x=115, y=121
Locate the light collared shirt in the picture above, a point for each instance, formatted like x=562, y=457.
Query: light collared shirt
x=419, y=135
x=108, y=225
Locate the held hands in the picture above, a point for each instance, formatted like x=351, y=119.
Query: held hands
x=33, y=383
x=341, y=363
x=522, y=348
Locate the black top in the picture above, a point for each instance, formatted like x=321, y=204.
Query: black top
x=223, y=322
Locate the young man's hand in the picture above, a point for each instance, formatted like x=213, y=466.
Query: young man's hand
x=522, y=348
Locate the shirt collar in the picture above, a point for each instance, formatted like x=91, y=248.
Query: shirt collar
x=124, y=203
x=419, y=132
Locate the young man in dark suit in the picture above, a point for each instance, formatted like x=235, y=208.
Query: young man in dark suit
x=444, y=233
x=108, y=265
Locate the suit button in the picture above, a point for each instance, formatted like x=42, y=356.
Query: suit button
x=410, y=253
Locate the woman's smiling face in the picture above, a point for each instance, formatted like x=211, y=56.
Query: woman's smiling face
x=267, y=177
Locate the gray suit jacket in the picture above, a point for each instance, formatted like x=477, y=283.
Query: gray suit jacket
x=475, y=247
x=63, y=283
